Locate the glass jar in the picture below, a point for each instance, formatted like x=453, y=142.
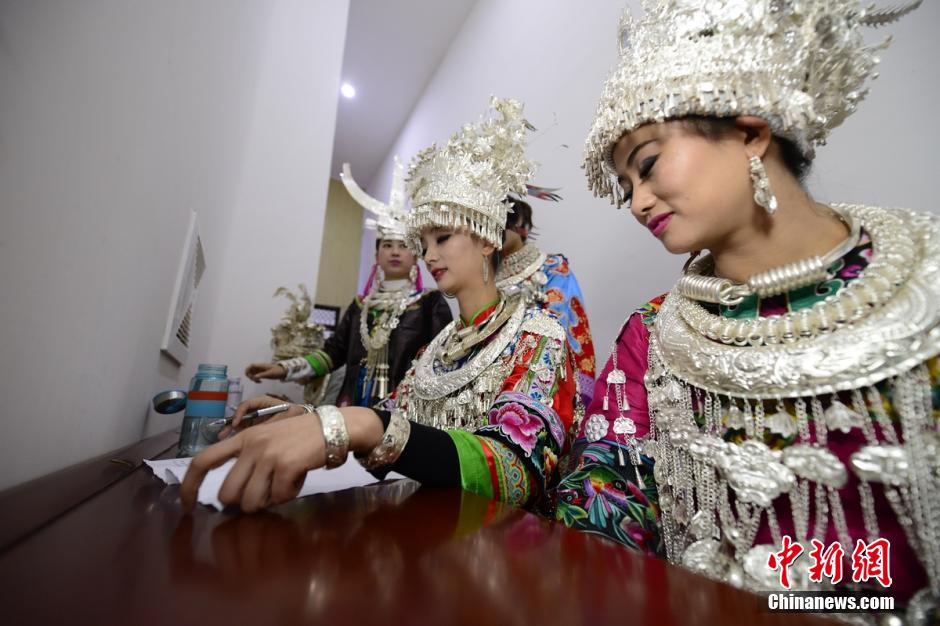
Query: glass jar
x=205, y=409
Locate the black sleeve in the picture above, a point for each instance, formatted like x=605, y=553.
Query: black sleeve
x=430, y=456
x=337, y=346
x=440, y=314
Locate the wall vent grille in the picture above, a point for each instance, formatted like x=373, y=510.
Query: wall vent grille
x=178, y=335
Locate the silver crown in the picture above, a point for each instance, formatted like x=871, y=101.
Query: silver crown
x=388, y=222
x=802, y=65
x=464, y=184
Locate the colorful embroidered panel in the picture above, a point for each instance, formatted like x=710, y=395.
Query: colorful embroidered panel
x=516, y=454
x=564, y=299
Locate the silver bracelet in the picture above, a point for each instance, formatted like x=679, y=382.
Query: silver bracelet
x=392, y=444
x=309, y=408
x=295, y=369
x=335, y=435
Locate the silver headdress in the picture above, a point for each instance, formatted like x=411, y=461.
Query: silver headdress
x=464, y=184
x=800, y=64
x=388, y=222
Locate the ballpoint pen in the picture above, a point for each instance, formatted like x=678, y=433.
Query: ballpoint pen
x=251, y=415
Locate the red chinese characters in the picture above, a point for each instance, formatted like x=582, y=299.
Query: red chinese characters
x=870, y=561
x=784, y=559
x=827, y=562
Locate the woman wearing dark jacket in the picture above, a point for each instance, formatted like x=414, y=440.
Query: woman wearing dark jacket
x=402, y=316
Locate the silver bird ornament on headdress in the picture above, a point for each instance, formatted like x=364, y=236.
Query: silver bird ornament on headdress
x=388, y=220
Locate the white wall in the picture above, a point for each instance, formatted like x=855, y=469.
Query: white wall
x=281, y=205
x=554, y=56
x=885, y=153
x=118, y=118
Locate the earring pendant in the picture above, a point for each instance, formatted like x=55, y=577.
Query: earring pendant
x=763, y=195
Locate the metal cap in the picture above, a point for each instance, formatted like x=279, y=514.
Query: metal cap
x=169, y=401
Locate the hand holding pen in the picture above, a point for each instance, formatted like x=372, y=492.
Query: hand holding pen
x=263, y=412
x=259, y=410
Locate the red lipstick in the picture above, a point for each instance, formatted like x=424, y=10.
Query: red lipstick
x=658, y=224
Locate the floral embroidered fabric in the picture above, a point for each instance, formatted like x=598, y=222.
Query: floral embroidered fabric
x=514, y=455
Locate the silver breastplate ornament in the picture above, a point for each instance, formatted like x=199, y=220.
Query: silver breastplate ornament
x=833, y=365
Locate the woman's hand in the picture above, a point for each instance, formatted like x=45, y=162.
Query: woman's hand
x=261, y=402
x=272, y=461
x=257, y=371
x=273, y=458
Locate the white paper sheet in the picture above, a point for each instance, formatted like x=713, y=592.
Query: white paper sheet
x=349, y=474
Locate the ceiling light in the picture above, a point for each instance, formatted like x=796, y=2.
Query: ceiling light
x=348, y=90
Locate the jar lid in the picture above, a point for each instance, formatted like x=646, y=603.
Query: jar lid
x=169, y=401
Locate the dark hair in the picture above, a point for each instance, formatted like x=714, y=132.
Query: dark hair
x=521, y=213
x=715, y=128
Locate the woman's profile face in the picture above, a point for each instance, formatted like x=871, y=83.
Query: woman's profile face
x=454, y=258
x=394, y=258
x=691, y=192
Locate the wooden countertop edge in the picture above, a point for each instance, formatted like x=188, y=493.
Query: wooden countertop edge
x=29, y=507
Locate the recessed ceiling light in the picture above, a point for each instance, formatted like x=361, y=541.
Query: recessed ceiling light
x=348, y=90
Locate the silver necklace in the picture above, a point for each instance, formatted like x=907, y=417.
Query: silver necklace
x=698, y=286
x=430, y=385
x=891, y=265
x=391, y=305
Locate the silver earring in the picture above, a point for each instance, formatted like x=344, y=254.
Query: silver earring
x=379, y=275
x=762, y=192
x=486, y=270
x=413, y=272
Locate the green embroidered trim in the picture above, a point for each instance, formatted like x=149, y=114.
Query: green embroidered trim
x=480, y=310
x=511, y=473
x=474, y=470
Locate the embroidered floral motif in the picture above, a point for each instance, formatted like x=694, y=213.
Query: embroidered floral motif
x=517, y=424
x=549, y=460
x=597, y=498
x=543, y=412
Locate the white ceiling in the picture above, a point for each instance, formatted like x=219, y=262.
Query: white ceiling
x=392, y=50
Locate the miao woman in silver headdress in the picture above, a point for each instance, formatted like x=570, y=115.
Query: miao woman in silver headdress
x=784, y=392
x=487, y=406
x=382, y=329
